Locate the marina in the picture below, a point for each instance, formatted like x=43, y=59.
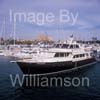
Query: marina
x=49, y=50
x=54, y=58
x=59, y=58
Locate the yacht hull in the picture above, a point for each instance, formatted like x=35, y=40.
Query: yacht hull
x=49, y=68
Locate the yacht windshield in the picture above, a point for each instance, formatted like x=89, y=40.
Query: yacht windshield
x=58, y=46
x=65, y=46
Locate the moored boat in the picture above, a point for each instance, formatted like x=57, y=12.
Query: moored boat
x=62, y=57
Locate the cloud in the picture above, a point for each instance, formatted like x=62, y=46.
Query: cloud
x=88, y=20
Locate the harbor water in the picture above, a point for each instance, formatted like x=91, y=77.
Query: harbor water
x=8, y=92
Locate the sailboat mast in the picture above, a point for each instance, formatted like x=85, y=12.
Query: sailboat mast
x=4, y=32
x=14, y=33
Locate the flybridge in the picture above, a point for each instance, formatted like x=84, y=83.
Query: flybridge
x=41, y=18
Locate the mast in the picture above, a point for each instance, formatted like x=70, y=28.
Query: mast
x=14, y=30
x=4, y=32
x=1, y=33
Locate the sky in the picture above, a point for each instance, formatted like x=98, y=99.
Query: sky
x=86, y=26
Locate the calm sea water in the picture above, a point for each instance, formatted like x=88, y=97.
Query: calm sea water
x=7, y=92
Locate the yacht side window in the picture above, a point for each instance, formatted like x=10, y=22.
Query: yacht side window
x=67, y=54
x=81, y=55
x=76, y=56
x=87, y=54
x=71, y=46
x=58, y=45
x=61, y=54
x=77, y=46
x=57, y=55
